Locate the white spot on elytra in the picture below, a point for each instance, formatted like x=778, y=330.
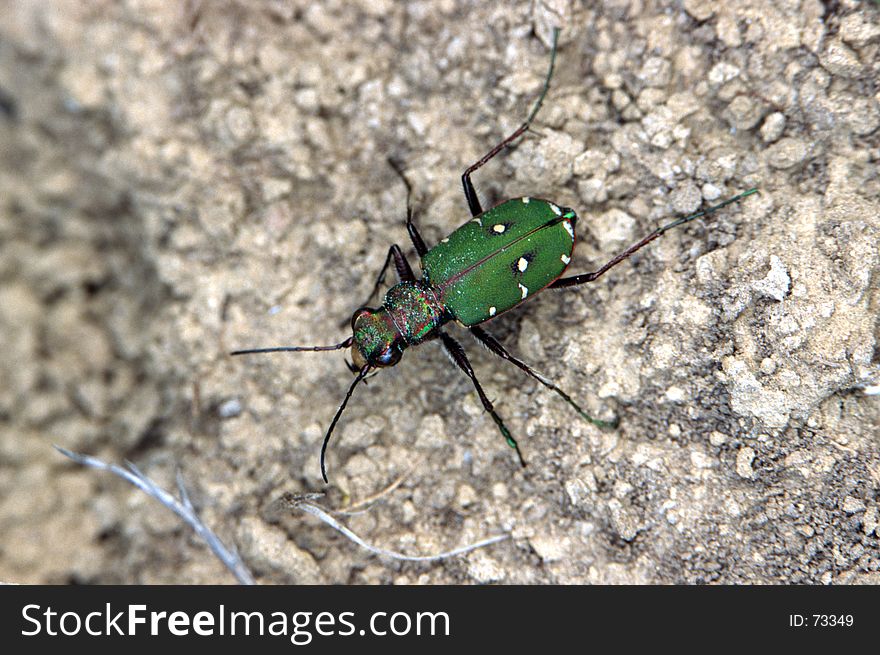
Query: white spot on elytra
x=492, y=311
x=568, y=228
x=522, y=264
x=556, y=209
x=524, y=290
x=526, y=200
x=565, y=259
x=499, y=228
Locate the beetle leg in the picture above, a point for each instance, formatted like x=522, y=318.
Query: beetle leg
x=495, y=347
x=414, y=236
x=583, y=278
x=469, y=192
x=404, y=272
x=457, y=354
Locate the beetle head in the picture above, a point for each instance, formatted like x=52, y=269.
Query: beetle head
x=376, y=341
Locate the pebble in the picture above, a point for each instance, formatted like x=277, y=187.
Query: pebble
x=722, y=72
x=839, y=59
x=859, y=30
x=700, y=10
x=776, y=283
x=768, y=366
x=743, y=113
x=675, y=394
x=686, y=198
x=623, y=521
x=711, y=192
x=786, y=153
x=853, y=505
x=229, y=408
x=744, y=459
x=773, y=127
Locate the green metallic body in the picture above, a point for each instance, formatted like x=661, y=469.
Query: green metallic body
x=496, y=260
x=486, y=267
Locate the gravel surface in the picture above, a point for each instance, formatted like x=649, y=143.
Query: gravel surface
x=178, y=180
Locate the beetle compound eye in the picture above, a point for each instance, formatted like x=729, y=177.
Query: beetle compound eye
x=389, y=357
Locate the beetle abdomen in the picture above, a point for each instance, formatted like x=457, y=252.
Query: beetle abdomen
x=497, y=260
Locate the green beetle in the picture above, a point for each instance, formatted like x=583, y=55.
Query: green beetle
x=489, y=265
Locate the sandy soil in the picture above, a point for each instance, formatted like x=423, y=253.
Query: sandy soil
x=181, y=179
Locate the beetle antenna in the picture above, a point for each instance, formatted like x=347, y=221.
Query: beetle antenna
x=361, y=375
x=339, y=346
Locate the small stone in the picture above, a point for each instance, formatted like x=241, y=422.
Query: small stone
x=717, y=438
x=701, y=461
x=499, y=491
x=807, y=530
x=466, y=495
x=728, y=31
x=839, y=59
x=484, y=569
x=229, y=408
x=768, y=366
x=858, y=30
x=275, y=189
x=269, y=551
x=743, y=113
x=578, y=491
x=682, y=104
x=722, y=72
x=613, y=228
x=773, y=127
x=744, y=459
x=852, y=505
x=700, y=10
x=432, y=432
x=786, y=153
x=655, y=72
x=307, y=100
x=623, y=521
x=621, y=489
x=675, y=394
x=593, y=191
x=710, y=192
x=707, y=268
x=777, y=282
x=549, y=548
x=594, y=163
x=686, y=198
x=239, y=123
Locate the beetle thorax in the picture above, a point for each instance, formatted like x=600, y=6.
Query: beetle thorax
x=410, y=315
x=414, y=310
